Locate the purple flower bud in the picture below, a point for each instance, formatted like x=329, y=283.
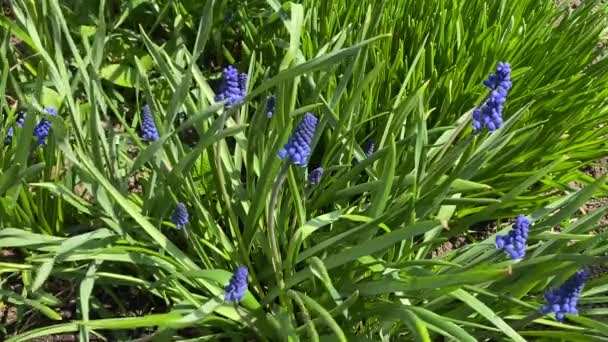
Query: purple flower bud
x=148, y=127
x=489, y=114
x=270, y=106
x=180, y=216
x=233, y=88
x=370, y=146
x=43, y=128
x=297, y=150
x=514, y=243
x=237, y=287
x=563, y=300
x=314, y=177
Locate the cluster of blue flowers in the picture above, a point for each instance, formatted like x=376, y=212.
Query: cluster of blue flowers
x=370, y=147
x=149, y=132
x=233, y=88
x=564, y=299
x=314, y=177
x=489, y=114
x=514, y=243
x=9, y=134
x=180, y=216
x=297, y=150
x=270, y=105
x=43, y=128
x=237, y=286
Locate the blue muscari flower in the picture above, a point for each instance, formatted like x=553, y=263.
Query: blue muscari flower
x=314, y=177
x=564, y=299
x=180, y=216
x=514, y=243
x=9, y=134
x=489, y=114
x=370, y=146
x=148, y=127
x=243, y=84
x=236, y=288
x=297, y=149
x=270, y=105
x=42, y=129
x=233, y=88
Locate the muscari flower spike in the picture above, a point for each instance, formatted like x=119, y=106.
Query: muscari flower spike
x=514, y=243
x=233, y=88
x=489, y=114
x=9, y=134
x=370, y=146
x=563, y=300
x=297, y=150
x=180, y=216
x=237, y=286
x=270, y=105
x=43, y=128
x=148, y=127
x=314, y=177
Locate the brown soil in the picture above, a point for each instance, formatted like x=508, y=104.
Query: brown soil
x=596, y=170
x=140, y=303
x=448, y=246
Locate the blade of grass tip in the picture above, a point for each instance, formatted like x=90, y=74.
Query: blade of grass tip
x=487, y=313
x=204, y=30
x=318, y=270
x=295, y=33
x=381, y=194
x=44, y=271
x=308, y=323
x=177, y=100
x=86, y=288
x=417, y=326
x=325, y=316
x=444, y=324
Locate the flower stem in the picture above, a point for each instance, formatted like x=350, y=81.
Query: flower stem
x=275, y=259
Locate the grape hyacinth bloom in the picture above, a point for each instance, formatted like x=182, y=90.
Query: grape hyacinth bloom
x=489, y=114
x=43, y=128
x=9, y=134
x=243, y=84
x=236, y=288
x=233, y=88
x=270, y=105
x=370, y=146
x=514, y=243
x=563, y=300
x=148, y=127
x=314, y=177
x=297, y=150
x=180, y=216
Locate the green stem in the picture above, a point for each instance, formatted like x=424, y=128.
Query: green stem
x=275, y=259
